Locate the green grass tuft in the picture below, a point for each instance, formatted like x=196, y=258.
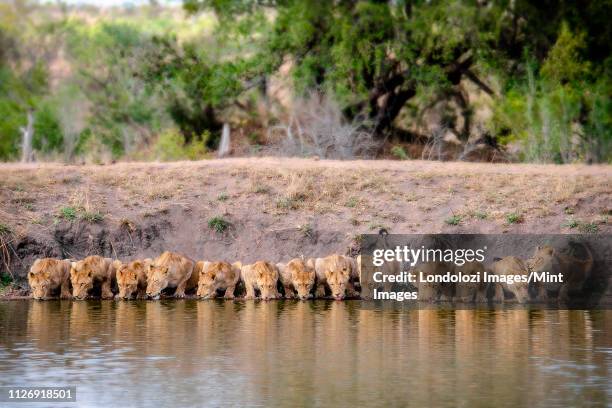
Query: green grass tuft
x=514, y=218
x=454, y=220
x=399, y=152
x=68, y=213
x=92, y=217
x=218, y=224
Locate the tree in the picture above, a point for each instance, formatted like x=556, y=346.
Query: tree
x=378, y=56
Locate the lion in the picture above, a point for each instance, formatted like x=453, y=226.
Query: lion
x=511, y=265
x=298, y=278
x=263, y=276
x=47, y=275
x=132, y=278
x=468, y=292
x=92, y=272
x=170, y=270
x=574, y=270
x=433, y=291
x=366, y=270
x=213, y=276
x=338, y=272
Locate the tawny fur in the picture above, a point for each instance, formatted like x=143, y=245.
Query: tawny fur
x=298, y=277
x=337, y=272
x=47, y=275
x=263, y=276
x=90, y=273
x=132, y=278
x=511, y=265
x=213, y=276
x=170, y=270
x=573, y=270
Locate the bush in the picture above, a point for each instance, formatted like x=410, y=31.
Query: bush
x=218, y=224
x=170, y=145
x=454, y=220
x=399, y=152
x=316, y=127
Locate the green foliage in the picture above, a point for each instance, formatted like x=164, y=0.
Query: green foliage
x=170, y=145
x=48, y=135
x=92, y=217
x=399, y=152
x=68, y=213
x=514, y=218
x=5, y=279
x=218, y=224
x=154, y=85
x=564, y=62
x=453, y=220
x=560, y=114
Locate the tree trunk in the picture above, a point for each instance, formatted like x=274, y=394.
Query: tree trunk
x=27, y=135
x=224, y=145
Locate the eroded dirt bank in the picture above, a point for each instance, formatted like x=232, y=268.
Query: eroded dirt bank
x=276, y=209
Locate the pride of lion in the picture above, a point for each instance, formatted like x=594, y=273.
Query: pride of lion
x=336, y=276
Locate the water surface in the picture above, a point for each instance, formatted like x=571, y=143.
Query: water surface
x=321, y=353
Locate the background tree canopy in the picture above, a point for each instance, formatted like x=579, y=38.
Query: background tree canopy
x=528, y=76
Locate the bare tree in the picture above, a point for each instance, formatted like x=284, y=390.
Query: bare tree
x=316, y=126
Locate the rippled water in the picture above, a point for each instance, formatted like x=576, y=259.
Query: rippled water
x=208, y=353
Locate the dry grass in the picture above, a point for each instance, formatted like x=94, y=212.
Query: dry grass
x=408, y=194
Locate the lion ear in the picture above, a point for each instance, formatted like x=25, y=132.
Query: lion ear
x=310, y=263
x=73, y=264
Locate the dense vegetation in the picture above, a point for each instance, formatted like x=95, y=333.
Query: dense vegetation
x=154, y=82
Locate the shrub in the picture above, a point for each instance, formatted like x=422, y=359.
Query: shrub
x=218, y=224
x=68, y=213
x=170, y=145
x=399, y=152
x=317, y=127
x=514, y=218
x=454, y=220
x=92, y=217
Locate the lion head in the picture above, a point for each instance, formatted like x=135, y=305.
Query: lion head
x=302, y=276
x=266, y=276
x=127, y=278
x=157, y=280
x=39, y=279
x=542, y=260
x=81, y=277
x=337, y=274
x=212, y=276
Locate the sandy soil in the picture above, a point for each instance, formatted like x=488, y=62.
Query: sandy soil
x=278, y=208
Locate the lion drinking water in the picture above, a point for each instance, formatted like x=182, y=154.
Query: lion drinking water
x=47, y=275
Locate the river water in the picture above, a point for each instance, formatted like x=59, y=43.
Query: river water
x=321, y=353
